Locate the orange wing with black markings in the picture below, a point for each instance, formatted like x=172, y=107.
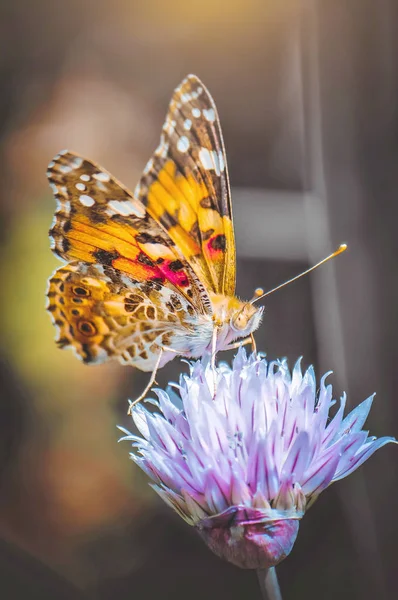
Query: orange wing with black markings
x=127, y=292
x=185, y=186
x=99, y=221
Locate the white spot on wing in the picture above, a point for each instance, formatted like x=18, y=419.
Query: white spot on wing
x=216, y=162
x=183, y=144
x=221, y=159
x=85, y=177
x=148, y=167
x=187, y=124
x=125, y=208
x=209, y=114
x=169, y=126
x=196, y=112
x=65, y=168
x=158, y=250
x=77, y=162
x=86, y=200
x=100, y=186
x=211, y=160
x=205, y=159
x=102, y=176
x=162, y=149
x=74, y=163
x=80, y=186
x=126, y=280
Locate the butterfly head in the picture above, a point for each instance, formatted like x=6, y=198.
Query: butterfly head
x=246, y=319
x=236, y=317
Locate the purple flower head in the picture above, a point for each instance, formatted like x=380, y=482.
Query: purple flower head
x=242, y=452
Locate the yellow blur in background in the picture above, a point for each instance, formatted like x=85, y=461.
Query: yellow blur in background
x=306, y=117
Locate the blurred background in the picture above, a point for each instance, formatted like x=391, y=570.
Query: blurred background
x=307, y=94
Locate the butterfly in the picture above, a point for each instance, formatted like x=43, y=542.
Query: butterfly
x=150, y=275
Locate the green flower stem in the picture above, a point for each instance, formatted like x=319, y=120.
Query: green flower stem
x=269, y=584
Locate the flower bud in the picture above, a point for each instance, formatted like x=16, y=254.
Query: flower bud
x=247, y=541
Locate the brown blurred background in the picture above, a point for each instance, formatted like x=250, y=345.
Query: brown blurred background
x=308, y=98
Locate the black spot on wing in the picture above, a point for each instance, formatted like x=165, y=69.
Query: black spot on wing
x=207, y=234
x=104, y=257
x=219, y=242
x=176, y=265
x=87, y=354
x=80, y=291
x=65, y=245
x=145, y=260
x=208, y=203
x=97, y=218
x=146, y=238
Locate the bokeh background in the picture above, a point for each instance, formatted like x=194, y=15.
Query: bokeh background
x=308, y=98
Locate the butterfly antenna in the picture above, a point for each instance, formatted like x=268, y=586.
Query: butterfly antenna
x=259, y=293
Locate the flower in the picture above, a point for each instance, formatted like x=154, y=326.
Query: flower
x=242, y=452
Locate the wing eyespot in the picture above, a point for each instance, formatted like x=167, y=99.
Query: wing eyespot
x=87, y=328
x=80, y=291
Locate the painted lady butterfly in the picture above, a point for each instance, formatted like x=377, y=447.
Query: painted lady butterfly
x=150, y=275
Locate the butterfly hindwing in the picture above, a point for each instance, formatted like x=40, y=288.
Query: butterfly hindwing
x=185, y=186
x=101, y=314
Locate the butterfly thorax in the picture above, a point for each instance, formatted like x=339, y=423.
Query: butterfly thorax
x=234, y=318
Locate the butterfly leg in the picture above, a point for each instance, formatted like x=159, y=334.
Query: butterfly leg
x=248, y=340
x=213, y=358
x=214, y=348
x=244, y=342
x=253, y=342
x=148, y=387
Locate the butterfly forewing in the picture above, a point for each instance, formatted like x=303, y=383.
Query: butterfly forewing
x=99, y=221
x=185, y=186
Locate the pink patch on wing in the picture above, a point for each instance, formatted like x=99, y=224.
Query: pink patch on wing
x=174, y=271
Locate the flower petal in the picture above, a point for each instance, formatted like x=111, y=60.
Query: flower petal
x=297, y=458
x=366, y=452
x=319, y=476
x=357, y=417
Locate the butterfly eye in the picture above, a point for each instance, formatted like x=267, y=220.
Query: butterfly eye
x=239, y=321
